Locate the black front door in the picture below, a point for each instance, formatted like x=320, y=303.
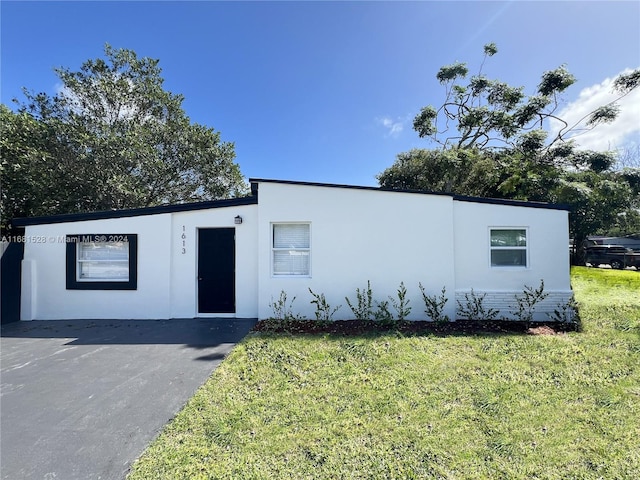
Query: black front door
x=217, y=270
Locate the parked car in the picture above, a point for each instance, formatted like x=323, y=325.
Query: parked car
x=617, y=256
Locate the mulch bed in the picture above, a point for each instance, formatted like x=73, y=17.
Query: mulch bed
x=459, y=327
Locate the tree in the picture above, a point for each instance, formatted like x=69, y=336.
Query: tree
x=493, y=142
x=33, y=164
x=628, y=157
x=462, y=171
x=111, y=138
x=489, y=113
x=599, y=202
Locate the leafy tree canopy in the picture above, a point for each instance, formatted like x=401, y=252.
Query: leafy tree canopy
x=480, y=112
x=494, y=143
x=111, y=138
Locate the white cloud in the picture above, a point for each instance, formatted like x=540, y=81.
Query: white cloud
x=393, y=127
x=625, y=129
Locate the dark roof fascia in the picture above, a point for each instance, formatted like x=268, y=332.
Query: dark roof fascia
x=461, y=198
x=512, y=203
x=351, y=187
x=134, y=212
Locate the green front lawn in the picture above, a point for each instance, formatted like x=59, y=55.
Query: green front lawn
x=391, y=406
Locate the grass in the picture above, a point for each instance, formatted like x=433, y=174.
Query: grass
x=388, y=406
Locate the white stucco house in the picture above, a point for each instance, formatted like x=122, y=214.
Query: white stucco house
x=231, y=258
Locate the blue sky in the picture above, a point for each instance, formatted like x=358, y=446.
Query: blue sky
x=326, y=91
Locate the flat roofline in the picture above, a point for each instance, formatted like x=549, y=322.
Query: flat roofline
x=253, y=200
x=341, y=185
x=456, y=197
x=134, y=212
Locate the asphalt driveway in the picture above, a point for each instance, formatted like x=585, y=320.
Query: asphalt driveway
x=82, y=399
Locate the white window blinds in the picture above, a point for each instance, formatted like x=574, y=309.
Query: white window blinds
x=103, y=261
x=291, y=249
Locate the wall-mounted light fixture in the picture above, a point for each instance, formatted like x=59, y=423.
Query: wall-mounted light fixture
x=237, y=220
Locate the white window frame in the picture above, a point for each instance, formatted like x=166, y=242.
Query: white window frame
x=280, y=249
x=524, y=248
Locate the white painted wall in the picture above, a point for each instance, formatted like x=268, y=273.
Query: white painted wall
x=548, y=233
x=184, y=294
x=167, y=278
x=49, y=298
x=358, y=235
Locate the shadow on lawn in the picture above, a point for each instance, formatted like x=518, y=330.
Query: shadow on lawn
x=410, y=328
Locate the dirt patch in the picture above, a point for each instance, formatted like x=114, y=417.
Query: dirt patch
x=542, y=330
x=362, y=327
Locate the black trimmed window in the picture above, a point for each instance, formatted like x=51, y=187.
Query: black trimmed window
x=508, y=247
x=291, y=249
x=102, y=262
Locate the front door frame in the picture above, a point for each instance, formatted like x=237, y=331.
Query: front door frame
x=228, y=311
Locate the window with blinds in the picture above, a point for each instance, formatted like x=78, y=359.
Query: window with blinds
x=103, y=261
x=291, y=249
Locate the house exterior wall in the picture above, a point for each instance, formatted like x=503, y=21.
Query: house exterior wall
x=184, y=291
x=548, y=256
x=358, y=235
x=44, y=293
x=167, y=277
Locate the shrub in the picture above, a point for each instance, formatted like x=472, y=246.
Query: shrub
x=363, y=310
x=382, y=314
x=434, y=305
x=324, y=312
x=473, y=308
x=401, y=306
x=527, y=301
x=565, y=312
x=282, y=311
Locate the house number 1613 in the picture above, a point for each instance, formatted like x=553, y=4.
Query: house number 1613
x=183, y=237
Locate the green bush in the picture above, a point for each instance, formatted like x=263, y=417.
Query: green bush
x=527, y=301
x=473, y=308
x=401, y=306
x=324, y=312
x=283, y=310
x=434, y=305
x=363, y=308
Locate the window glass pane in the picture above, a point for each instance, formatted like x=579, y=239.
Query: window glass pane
x=103, y=261
x=116, y=271
x=509, y=258
x=290, y=262
x=509, y=238
x=103, y=251
x=291, y=236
